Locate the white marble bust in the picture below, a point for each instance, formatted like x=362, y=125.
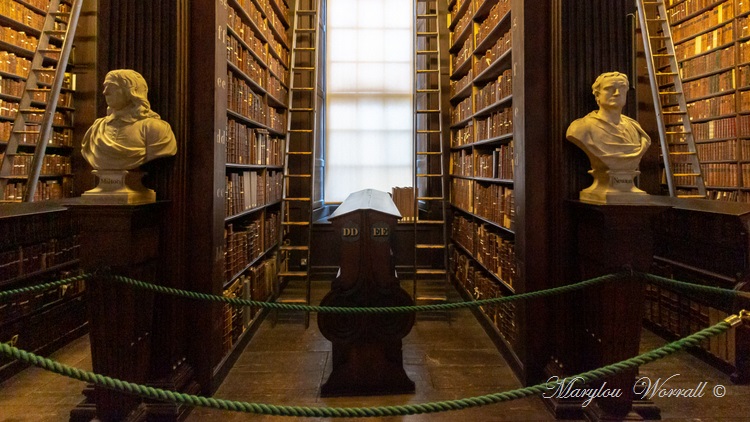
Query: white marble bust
x=614, y=143
x=130, y=135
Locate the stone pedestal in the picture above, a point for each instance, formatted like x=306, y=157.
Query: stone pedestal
x=119, y=187
x=614, y=187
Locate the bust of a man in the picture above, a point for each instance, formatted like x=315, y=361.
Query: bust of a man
x=614, y=143
x=130, y=135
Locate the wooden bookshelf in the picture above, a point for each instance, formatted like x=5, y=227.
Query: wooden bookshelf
x=712, y=49
x=40, y=244
x=20, y=28
x=243, y=146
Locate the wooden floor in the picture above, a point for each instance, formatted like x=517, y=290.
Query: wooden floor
x=447, y=359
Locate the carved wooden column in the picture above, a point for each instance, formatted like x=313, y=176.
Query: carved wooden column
x=608, y=317
x=126, y=239
x=367, y=355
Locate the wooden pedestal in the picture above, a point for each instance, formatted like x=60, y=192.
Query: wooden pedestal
x=367, y=355
x=606, y=320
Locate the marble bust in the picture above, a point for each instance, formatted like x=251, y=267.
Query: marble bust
x=130, y=135
x=614, y=144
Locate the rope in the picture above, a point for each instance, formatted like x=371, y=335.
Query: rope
x=367, y=310
x=372, y=310
x=399, y=410
x=45, y=286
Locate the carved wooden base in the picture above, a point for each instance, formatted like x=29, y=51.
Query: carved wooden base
x=364, y=369
x=594, y=412
x=86, y=410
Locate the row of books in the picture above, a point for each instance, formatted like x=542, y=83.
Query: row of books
x=502, y=46
x=457, y=6
x=45, y=190
x=246, y=61
x=462, y=111
x=51, y=164
x=24, y=15
x=709, y=85
x=704, y=43
x=26, y=304
x=495, y=203
x=721, y=13
x=498, y=11
x=17, y=38
x=277, y=68
x=243, y=243
x=498, y=123
x=480, y=286
x=729, y=195
x=716, y=129
x=404, y=199
x=36, y=228
x=681, y=316
x=463, y=23
x=277, y=89
x=681, y=9
x=496, y=254
x=61, y=137
x=37, y=257
x=462, y=232
x=462, y=136
x=251, y=189
x=247, y=145
x=495, y=90
x=713, y=107
x=462, y=57
x=60, y=118
x=257, y=283
x=717, y=151
x=700, y=65
x=714, y=174
x=459, y=85
x=462, y=163
x=496, y=165
x=259, y=23
x=265, y=6
x=242, y=100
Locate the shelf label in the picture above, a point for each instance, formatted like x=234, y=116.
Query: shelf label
x=223, y=3
x=221, y=83
x=380, y=231
x=220, y=192
x=350, y=232
x=221, y=32
x=221, y=136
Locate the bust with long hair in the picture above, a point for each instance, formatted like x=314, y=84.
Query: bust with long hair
x=131, y=134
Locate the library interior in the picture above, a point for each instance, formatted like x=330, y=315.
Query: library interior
x=412, y=210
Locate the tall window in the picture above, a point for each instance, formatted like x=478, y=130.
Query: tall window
x=369, y=126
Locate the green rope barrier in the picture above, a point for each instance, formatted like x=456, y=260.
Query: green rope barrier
x=368, y=310
x=45, y=286
x=388, y=310
x=399, y=410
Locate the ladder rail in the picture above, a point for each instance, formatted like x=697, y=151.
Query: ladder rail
x=678, y=92
x=291, y=227
x=426, y=29
x=52, y=99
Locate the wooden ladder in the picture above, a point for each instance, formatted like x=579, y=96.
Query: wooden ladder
x=682, y=167
x=32, y=126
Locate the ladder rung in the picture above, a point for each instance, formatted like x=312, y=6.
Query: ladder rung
x=306, y=12
x=426, y=246
x=428, y=131
x=301, y=109
x=677, y=133
x=294, y=248
x=43, y=70
x=430, y=221
x=419, y=91
x=667, y=73
x=299, y=153
x=295, y=223
x=301, y=130
x=298, y=199
x=691, y=196
x=426, y=33
x=427, y=111
x=669, y=92
x=427, y=70
x=674, y=112
x=304, y=48
x=429, y=198
x=304, y=30
x=427, y=51
x=427, y=15
x=428, y=153
x=429, y=175
x=55, y=31
x=434, y=272
x=31, y=110
x=49, y=50
x=27, y=131
x=302, y=68
x=685, y=174
x=298, y=175
x=292, y=274
x=682, y=153
x=304, y=88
